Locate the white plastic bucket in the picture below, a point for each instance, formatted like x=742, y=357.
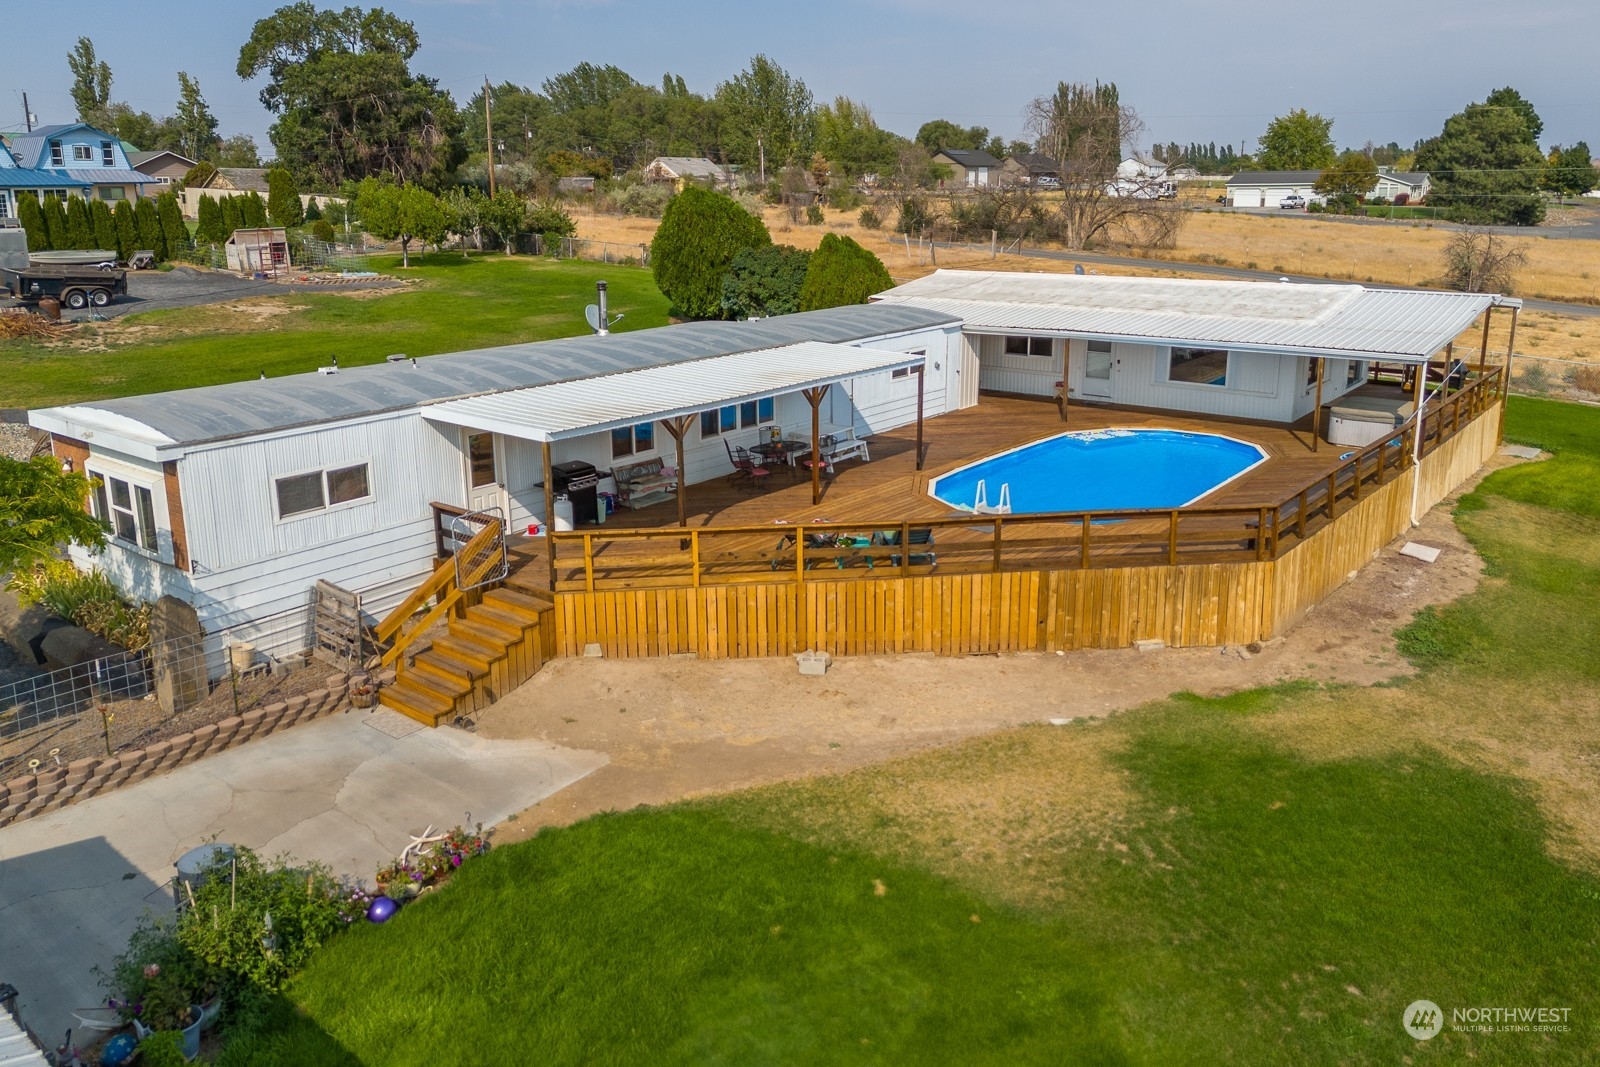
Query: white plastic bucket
x=242, y=655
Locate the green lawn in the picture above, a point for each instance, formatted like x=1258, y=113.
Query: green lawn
x=1265, y=878
x=454, y=304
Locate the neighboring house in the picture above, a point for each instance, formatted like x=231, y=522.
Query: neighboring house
x=1142, y=179
x=226, y=182
x=16, y=179
x=1026, y=168
x=680, y=170
x=1415, y=187
x=582, y=183
x=265, y=249
x=238, y=498
x=1247, y=350
x=1265, y=188
x=969, y=167
x=167, y=168
x=72, y=159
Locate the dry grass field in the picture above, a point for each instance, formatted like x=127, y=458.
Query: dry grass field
x=1398, y=253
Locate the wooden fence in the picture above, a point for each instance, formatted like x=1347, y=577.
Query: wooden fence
x=1043, y=609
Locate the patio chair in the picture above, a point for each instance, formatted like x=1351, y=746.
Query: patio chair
x=821, y=455
x=747, y=470
x=919, y=536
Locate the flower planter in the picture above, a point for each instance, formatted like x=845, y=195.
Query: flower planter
x=191, y=1033
x=209, y=1012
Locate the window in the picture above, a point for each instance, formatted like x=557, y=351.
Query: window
x=632, y=440
x=1030, y=346
x=1354, y=370
x=82, y=153
x=719, y=421
x=480, y=458
x=127, y=510
x=113, y=192
x=902, y=372
x=56, y=158
x=1313, y=371
x=1198, y=366
x=755, y=412
x=5, y=204
x=108, y=158
x=302, y=494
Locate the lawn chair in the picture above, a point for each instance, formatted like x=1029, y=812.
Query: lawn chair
x=920, y=536
x=747, y=470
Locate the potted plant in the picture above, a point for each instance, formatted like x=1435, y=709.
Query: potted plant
x=363, y=691
x=159, y=985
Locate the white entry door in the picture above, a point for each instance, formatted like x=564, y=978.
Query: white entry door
x=486, y=483
x=1097, y=366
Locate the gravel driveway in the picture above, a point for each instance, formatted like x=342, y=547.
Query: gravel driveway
x=154, y=290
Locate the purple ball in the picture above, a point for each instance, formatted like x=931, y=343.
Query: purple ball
x=381, y=910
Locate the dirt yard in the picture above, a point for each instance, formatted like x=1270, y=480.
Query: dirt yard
x=679, y=727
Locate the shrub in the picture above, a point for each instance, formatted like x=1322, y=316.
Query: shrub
x=869, y=219
x=199, y=174
x=162, y=1049
x=700, y=233
x=644, y=201
x=157, y=979
x=842, y=272
x=323, y=231
x=86, y=598
x=814, y=216
x=764, y=281
x=915, y=215
x=842, y=197
x=1586, y=379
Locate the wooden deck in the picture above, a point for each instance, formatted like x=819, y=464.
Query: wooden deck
x=732, y=536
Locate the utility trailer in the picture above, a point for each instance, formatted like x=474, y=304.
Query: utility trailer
x=76, y=287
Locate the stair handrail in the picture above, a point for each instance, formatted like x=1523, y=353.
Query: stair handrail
x=444, y=584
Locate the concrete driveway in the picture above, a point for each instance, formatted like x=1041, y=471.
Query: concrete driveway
x=348, y=790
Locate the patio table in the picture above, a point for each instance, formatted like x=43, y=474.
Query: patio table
x=783, y=451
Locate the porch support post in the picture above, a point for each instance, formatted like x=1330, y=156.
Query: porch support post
x=549, y=511
x=1505, y=383
x=1316, y=410
x=677, y=427
x=1483, y=347
x=922, y=379
x=1449, y=365
x=814, y=398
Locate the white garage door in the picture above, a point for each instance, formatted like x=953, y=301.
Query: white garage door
x=1243, y=197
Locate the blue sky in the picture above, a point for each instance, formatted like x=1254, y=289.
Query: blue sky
x=1193, y=72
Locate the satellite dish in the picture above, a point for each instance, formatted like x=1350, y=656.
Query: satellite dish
x=592, y=313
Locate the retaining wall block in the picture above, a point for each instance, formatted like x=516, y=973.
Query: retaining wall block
x=78, y=771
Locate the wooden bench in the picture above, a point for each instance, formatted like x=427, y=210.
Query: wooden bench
x=641, y=484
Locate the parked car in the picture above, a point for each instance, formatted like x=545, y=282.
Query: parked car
x=1293, y=200
x=1048, y=181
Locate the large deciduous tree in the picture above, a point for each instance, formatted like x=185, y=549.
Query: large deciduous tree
x=41, y=509
x=1349, y=178
x=193, y=122
x=767, y=112
x=764, y=281
x=1570, y=171
x=850, y=139
x=1485, y=165
x=347, y=102
x=91, y=82
x=403, y=213
x=1297, y=141
x=700, y=233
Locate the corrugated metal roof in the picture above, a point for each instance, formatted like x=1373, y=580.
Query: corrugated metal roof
x=1409, y=325
x=29, y=178
x=110, y=176
x=241, y=409
x=571, y=409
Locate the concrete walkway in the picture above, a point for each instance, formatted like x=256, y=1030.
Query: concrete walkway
x=348, y=790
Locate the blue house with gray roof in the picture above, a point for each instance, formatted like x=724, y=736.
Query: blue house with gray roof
x=74, y=159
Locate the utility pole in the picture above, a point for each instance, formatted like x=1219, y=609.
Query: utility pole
x=27, y=116
x=488, y=133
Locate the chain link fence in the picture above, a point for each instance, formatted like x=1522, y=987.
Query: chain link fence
x=632, y=255
x=1556, y=379
x=132, y=699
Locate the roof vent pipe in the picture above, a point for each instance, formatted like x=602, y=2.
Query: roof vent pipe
x=600, y=297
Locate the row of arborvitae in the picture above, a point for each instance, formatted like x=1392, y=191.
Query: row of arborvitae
x=79, y=224
x=249, y=926
x=714, y=259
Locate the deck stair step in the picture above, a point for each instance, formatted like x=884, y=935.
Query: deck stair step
x=527, y=606
x=415, y=702
x=508, y=628
x=440, y=664
x=482, y=630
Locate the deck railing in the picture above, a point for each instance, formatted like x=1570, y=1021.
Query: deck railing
x=822, y=551
x=445, y=587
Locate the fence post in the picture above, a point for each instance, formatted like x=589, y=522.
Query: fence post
x=800, y=554
x=694, y=557
x=1172, y=538
x=997, y=544
x=588, y=562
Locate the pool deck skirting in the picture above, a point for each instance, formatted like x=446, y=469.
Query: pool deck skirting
x=1016, y=584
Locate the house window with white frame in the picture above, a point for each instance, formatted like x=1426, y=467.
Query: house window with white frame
x=1354, y=371
x=127, y=509
x=82, y=153
x=1030, y=346
x=5, y=204
x=1198, y=366
x=309, y=492
x=633, y=440
x=108, y=158
x=56, y=157
x=113, y=193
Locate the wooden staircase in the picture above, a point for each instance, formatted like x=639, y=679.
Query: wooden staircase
x=497, y=636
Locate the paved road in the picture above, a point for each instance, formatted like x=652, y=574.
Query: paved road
x=74, y=882
x=1091, y=258
x=1579, y=222
x=187, y=287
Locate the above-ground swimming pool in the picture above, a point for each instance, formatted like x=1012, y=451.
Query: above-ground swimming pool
x=1101, y=470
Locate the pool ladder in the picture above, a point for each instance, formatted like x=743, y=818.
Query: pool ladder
x=981, y=506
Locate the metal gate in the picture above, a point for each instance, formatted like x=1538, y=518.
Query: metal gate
x=481, y=559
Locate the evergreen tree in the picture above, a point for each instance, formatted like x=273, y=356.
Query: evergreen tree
x=313, y=212
x=55, y=222
x=253, y=210
x=231, y=219
x=148, y=226
x=80, y=231
x=842, y=272
x=283, y=198
x=209, y=228
x=127, y=229
x=764, y=281
x=105, y=227
x=32, y=220
x=1485, y=165
x=694, y=246
x=173, y=229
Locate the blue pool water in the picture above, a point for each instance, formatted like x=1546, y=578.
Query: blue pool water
x=1103, y=470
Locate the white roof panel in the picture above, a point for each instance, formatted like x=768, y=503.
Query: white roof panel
x=1400, y=324
x=591, y=405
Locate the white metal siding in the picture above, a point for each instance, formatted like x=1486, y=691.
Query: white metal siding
x=1025, y=375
